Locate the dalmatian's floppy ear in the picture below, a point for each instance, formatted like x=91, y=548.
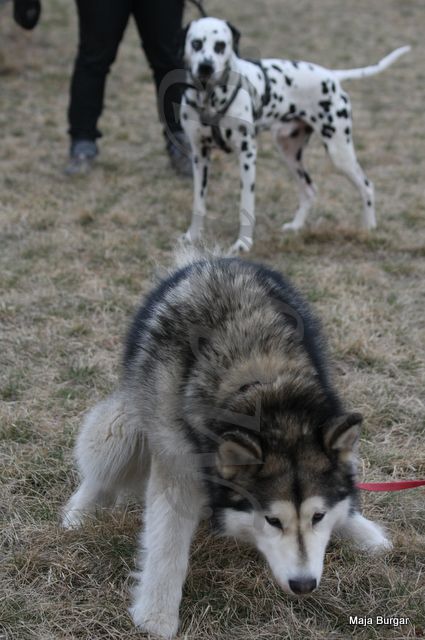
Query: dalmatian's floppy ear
x=236, y=37
x=182, y=40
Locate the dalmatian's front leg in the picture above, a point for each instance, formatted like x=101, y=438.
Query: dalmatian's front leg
x=196, y=134
x=200, y=163
x=246, y=147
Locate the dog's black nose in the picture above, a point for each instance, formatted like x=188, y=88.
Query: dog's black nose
x=305, y=585
x=205, y=69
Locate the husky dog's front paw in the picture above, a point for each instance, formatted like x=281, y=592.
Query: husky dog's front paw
x=377, y=543
x=163, y=625
x=72, y=519
x=366, y=535
x=242, y=245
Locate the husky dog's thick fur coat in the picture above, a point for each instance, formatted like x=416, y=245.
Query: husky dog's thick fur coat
x=225, y=407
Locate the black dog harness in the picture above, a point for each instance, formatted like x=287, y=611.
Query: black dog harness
x=213, y=120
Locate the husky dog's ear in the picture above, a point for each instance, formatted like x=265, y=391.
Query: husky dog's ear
x=342, y=433
x=239, y=456
x=236, y=37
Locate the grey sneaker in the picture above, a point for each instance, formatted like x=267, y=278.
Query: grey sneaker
x=81, y=157
x=178, y=149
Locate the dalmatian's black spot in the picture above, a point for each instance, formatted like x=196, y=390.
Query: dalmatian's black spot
x=204, y=151
x=253, y=187
x=250, y=155
x=328, y=130
x=275, y=96
x=299, y=155
x=273, y=80
x=311, y=67
x=325, y=87
x=224, y=88
x=244, y=145
x=292, y=108
x=366, y=181
x=184, y=116
x=369, y=204
x=344, y=97
x=289, y=81
x=246, y=108
x=295, y=133
x=204, y=178
x=307, y=177
x=313, y=119
x=228, y=133
x=343, y=113
x=326, y=104
x=302, y=114
x=320, y=115
x=330, y=118
x=347, y=131
x=259, y=76
x=274, y=66
x=246, y=167
x=295, y=63
x=243, y=130
x=280, y=98
x=195, y=159
x=333, y=87
x=300, y=173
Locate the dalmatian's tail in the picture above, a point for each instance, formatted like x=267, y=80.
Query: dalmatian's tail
x=364, y=72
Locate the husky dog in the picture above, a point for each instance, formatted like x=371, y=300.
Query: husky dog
x=226, y=409
x=230, y=99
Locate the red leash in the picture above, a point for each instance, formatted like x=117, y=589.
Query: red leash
x=399, y=485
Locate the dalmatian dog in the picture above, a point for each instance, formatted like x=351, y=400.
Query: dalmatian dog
x=228, y=100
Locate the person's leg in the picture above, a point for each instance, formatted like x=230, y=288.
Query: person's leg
x=160, y=27
x=101, y=27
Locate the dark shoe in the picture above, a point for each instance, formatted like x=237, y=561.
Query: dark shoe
x=26, y=13
x=81, y=157
x=178, y=149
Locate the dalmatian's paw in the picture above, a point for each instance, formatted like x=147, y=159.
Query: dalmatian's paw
x=369, y=226
x=190, y=236
x=291, y=226
x=242, y=245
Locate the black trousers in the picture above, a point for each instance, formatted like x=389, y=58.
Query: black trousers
x=101, y=27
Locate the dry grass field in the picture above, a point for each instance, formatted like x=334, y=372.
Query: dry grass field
x=76, y=256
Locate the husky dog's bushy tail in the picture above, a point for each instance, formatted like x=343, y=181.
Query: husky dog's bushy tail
x=112, y=457
x=372, y=70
